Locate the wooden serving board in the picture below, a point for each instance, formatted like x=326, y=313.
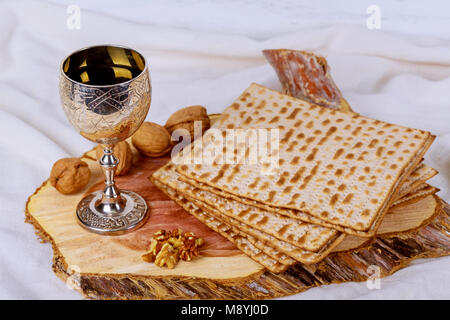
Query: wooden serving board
x=110, y=267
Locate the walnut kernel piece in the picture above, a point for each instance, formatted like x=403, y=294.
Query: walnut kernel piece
x=187, y=252
x=152, y=140
x=70, y=175
x=123, y=152
x=168, y=256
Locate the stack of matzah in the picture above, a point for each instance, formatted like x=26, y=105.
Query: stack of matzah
x=336, y=173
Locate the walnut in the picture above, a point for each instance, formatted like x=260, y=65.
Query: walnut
x=152, y=140
x=123, y=152
x=70, y=175
x=168, y=256
x=166, y=248
x=187, y=118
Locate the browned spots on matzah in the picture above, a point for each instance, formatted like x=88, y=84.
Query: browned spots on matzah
x=312, y=155
x=248, y=120
x=263, y=221
x=373, y=143
x=351, y=172
x=348, y=198
x=338, y=172
x=298, y=123
x=295, y=160
x=287, y=189
x=324, y=214
x=281, y=181
x=350, y=156
x=298, y=175
x=205, y=175
x=274, y=119
x=293, y=114
x=292, y=145
x=271, y=196
x=261, y=119
x=244, y=212
x=380, y=151
x=283, y=110
x=365, y=212
x=261, y=105
x=264, y=186
x=310, y=139
x=338, y=153
x=283, y=229
x=310, y=176
x=331, y=183
x=287, y=136
x=303, y=148
x=333, y=200
x=221, y=173
x=356, y=131
x=342, y=187
x=234, y=171
x=310, y=124
x=254, y=183
x=330, y=131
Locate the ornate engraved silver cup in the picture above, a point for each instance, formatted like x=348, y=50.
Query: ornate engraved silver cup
x=105, y=92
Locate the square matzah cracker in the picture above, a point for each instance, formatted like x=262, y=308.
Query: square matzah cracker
x=304, y=235
x=340, y=168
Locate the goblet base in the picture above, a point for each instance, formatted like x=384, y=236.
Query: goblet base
x=133, y=215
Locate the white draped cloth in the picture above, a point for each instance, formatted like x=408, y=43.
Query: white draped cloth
x=205, y=52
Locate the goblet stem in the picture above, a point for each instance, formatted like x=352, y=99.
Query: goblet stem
x=111, y=201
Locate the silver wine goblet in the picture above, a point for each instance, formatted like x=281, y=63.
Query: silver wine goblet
x=105, y=93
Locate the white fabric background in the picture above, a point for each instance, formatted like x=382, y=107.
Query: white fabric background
x=208, y=52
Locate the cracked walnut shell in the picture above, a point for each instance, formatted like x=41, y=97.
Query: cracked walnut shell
x=152, y=140
x=123, y=152
x=69, y=175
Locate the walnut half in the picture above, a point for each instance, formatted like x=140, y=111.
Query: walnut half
x=168, y=256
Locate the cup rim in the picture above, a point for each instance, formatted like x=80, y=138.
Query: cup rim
x=104, y=85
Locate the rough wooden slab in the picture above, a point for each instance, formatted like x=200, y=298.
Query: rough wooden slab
x=105, y=267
